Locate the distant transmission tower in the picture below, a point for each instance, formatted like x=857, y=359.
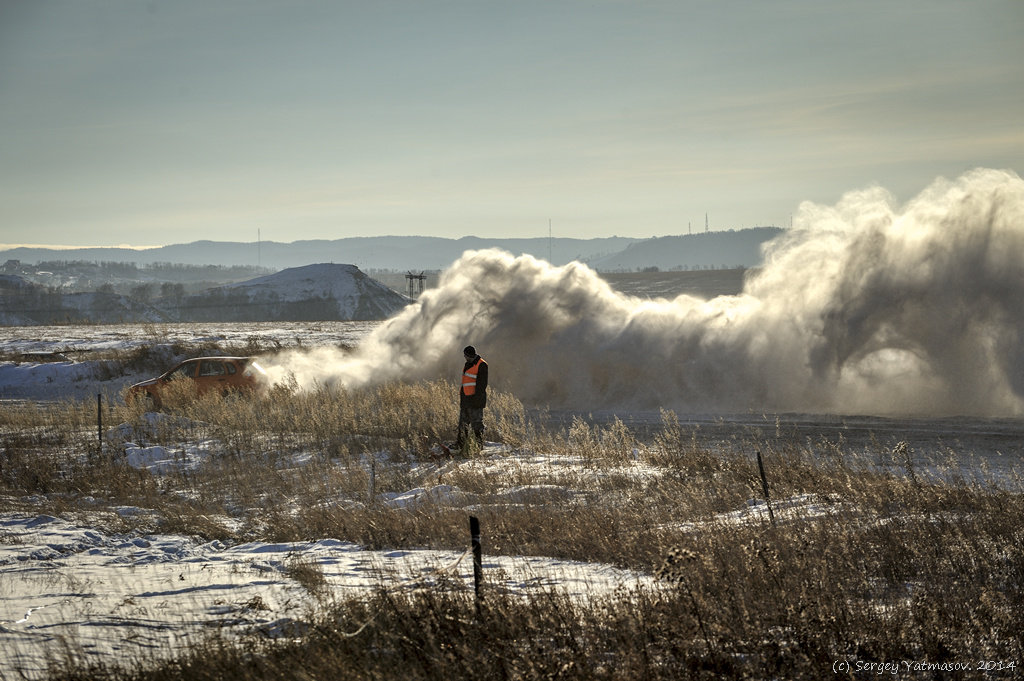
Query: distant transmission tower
x=706, y=223
x=415, y=283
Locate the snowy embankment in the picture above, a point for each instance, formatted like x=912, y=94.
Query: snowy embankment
x=49, y=380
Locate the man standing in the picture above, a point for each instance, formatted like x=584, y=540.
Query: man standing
x=472, y=397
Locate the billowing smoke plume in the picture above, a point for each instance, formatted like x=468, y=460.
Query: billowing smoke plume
x=860, y=307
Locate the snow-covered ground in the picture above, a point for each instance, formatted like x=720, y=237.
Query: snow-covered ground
x=69, y=586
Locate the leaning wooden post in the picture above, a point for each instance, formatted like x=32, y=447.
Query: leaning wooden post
x=764, y=488
x=478, y=569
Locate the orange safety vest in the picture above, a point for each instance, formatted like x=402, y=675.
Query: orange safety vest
x=469, y=378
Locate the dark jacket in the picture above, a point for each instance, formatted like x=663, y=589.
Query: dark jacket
x=478, y=400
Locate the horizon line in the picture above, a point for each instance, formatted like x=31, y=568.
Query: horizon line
x=67, y=247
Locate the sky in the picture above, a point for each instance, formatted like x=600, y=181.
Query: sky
x=149, y=123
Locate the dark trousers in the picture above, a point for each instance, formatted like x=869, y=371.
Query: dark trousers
x=470, y=417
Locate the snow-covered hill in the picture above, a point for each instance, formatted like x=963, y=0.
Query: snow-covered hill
x=324, y=292
x=314, y=292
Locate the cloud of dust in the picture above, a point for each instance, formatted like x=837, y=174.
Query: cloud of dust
x=861, y=307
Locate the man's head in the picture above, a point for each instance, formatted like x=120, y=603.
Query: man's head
x=469, y=352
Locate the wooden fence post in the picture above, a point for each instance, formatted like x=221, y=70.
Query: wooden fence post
x=764, y=488
x=478, y=570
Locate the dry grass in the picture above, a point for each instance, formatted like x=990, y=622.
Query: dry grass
x=888, y=566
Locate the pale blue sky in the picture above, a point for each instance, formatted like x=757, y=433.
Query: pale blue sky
x=166, y=122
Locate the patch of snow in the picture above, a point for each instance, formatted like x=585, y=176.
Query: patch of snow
x=441, y=495
x=798, y=507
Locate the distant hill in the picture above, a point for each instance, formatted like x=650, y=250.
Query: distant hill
x=739, y=248
x=385, y=252
x=311, y=293
x=714, y=250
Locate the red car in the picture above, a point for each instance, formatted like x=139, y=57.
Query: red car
x=223, y=374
